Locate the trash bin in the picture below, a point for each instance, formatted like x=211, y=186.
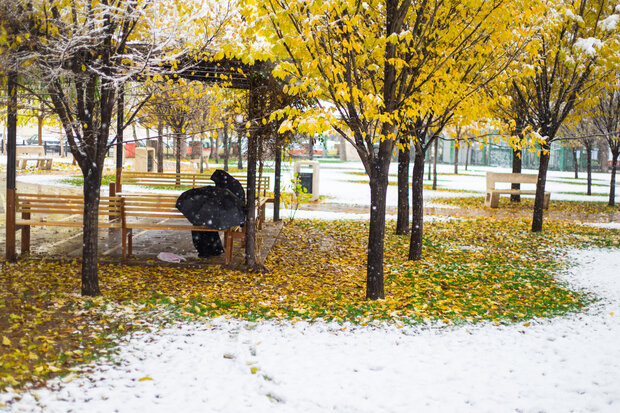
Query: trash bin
x=305, y=180
x=308, y=180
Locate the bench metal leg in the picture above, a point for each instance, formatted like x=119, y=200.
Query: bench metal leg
x=11, y=230
x=25, y=234
x=228, y=247
x=124, y=243
x=261, y=216
x=129, y=242
x=546, y=200
x=492, y=200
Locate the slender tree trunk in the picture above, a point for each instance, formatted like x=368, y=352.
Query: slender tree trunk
x=376, y=230
x=40, y=128
x=612, y=184
x=178, y=151
x=226, y=152
x=250, y=229
x=90, y=279
x=537, y=220
x=576, y=163
x=311, y=148
x=589, y=168
x=402, y=220
x=467, y=157
x=436, y=147
x=239, y=146
x=211, y=145
x=516, y=169
x=456, y=159
x=217, y=144
x=277, y=178
x=603, y=156
x=430, y=164
x=417, y=207
x=160, y=147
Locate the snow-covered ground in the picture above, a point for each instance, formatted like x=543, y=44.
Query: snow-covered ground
x=562, y=365
x=559, y=365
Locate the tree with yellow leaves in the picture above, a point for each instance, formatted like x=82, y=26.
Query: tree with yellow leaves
x=572, y=40
x=84, y=51
x=372, y=67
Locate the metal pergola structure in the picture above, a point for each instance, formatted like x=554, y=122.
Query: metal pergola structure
x=231, y=73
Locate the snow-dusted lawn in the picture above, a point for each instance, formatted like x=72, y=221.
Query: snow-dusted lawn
x=560, y=365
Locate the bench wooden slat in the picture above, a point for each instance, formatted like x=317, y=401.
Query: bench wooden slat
x=56, y=223
x=492, y=193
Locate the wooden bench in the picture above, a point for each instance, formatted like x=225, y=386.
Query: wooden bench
x=493, y=193
x=180, y=181
x=57, y=210
x=154, y=212
x=32, y=153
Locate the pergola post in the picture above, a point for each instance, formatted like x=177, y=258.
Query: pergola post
x=11, y=184
x=276, y=181
x=250, y=244
x=120, y=120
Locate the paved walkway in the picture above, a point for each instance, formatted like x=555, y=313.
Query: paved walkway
x=59, y=242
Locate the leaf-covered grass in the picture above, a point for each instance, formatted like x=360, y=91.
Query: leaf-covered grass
x=473, y=270
x=427, y=187
x=106, y=179
x=527, y=204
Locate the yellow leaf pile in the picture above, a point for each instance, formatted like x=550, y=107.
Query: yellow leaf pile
x=474, y=270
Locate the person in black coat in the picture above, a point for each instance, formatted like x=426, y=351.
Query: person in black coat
x=219, y=207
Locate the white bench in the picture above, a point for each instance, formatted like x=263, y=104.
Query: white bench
x=493, y=193
x=32, y=153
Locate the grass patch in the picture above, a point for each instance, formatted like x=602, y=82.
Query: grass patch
x=473, y=270
x=78, y=180
x=527, y=204
x=427, y=187
x=578, y=181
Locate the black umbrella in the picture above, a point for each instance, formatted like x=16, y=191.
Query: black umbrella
x=223, y=179
x=212, y=207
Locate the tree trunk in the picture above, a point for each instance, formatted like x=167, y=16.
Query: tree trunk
x=160, y=147
x=516, y=169
x=603, y=156
x=376, y=230
x=456, y=159
x=239, y=146
x=277, y=178
x=467, y=157
x=402, y=220
x=589, y=168
x=537, y=220
x=250, y=229
x=417, y=207
x=430, y=165
x=178, y=151
x=217, y=144
x=226, y=153
x=40, y=129
x=436, y=147
x=576, y=163
x=311, y=148
x=612, y=184
x=90, y=279
x=211, y=145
